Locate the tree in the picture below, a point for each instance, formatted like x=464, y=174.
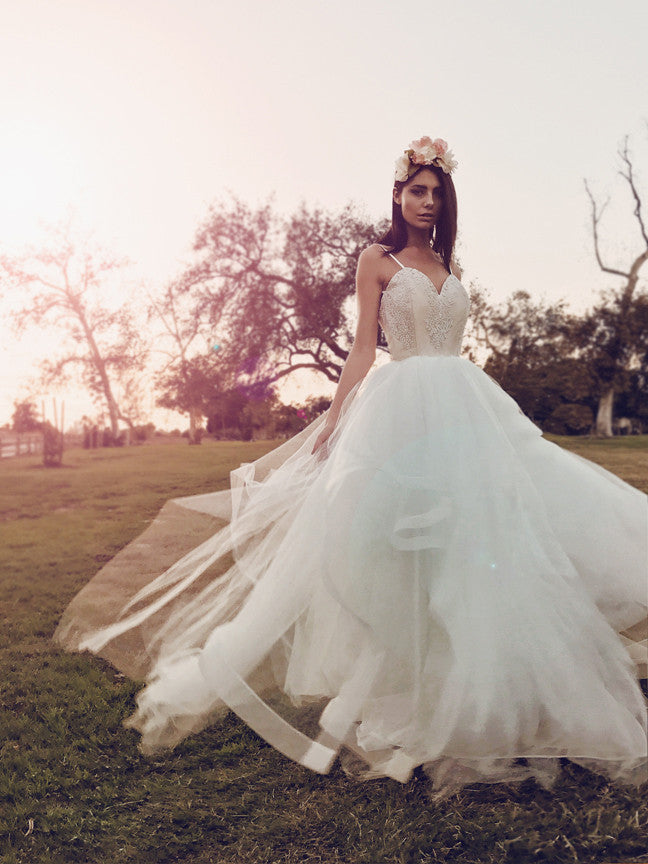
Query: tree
x=236, y=412
x=290, y=419
x=530, y=353
x=25, y=417
x=634, y=401
x=276, y=292
x=189, y=380
x=614, y=342
x=314, y=406
x=614, y=336
x=189, y=386
x=64, y=283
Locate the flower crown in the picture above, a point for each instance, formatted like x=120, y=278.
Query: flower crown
x=424, y=151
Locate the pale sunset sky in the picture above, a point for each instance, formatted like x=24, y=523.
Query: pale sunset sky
x=139, y=114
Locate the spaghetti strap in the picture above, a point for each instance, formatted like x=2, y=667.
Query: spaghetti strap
x=402, y=266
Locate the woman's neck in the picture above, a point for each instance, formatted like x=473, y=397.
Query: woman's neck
x=418, y=239
x=421, y=243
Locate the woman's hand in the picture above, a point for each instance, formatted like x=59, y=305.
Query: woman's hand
x=319, y=447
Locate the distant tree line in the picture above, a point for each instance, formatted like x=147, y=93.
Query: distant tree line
x=265, y=296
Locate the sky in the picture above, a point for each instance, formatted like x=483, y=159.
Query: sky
x=140, y=114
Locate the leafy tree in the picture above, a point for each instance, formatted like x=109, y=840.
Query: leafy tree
x=240, y=410
x=192, y=375
x=529, y=352
x=290, y=419
x=276, y=292
x=64, y=286
x=189, y=386
x=25, y=417
x=52, y=446
x=614, y=336
x=634, y=401
x=569, y=419
x=314, y=406
x=258, y=418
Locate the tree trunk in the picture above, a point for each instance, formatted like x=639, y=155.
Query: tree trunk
x=113, y=411
x=194, y=432
x=100, y=366
x=604, y=414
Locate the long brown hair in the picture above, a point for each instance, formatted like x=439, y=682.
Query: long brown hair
x=443, y=234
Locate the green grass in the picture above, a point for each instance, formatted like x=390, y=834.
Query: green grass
x=626, y=456
x=74, y=787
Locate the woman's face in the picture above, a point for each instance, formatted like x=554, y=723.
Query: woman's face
x=421, y=199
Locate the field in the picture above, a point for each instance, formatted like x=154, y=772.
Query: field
x=74, y=787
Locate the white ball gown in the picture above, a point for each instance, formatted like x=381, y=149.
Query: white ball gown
x=445, y=588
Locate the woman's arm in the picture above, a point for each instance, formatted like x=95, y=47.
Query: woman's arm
x=363, y=351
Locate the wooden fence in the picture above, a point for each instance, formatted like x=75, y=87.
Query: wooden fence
x=20, y=445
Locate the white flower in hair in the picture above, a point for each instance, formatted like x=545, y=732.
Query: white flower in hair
x=402, y=168
x=447, y=162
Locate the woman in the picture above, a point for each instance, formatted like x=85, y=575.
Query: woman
x=418, y=571
x=424, y=222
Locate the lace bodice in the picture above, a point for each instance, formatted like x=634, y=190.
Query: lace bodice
x=418, y=319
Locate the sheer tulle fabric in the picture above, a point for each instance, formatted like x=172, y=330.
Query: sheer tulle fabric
x=445, y=588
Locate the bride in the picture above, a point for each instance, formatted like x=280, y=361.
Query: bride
x=417, y=578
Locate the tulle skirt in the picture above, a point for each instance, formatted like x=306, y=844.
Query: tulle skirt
x=443, y=587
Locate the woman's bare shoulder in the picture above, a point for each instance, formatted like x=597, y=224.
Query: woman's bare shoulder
x=372, y=264
x=373, y=257
x=375, y=252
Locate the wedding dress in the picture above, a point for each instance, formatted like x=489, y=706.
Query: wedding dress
x=444, y=588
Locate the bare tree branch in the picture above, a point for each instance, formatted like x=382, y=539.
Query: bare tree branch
x=612, y=336
x=596, y=218
x=629, y=177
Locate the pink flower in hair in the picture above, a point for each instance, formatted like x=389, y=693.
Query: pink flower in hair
x=424, y=151
x=421, y=143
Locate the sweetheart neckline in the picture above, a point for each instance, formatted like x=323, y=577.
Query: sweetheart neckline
x=437, y=291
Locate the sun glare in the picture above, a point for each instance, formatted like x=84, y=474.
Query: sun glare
x=40, y=177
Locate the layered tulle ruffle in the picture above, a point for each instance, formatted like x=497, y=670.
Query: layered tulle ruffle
x=445, y=588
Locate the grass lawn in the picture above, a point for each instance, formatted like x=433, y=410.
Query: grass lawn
x=74, y=787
